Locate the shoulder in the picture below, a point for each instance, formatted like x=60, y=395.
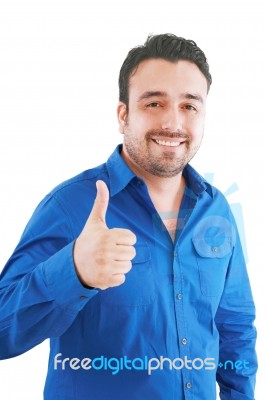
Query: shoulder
x=74, y=192
x=86, y=179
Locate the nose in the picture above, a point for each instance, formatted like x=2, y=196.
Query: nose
x=172, y=119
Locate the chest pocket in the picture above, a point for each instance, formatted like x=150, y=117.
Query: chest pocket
x=212, y=264
x=213, y=243
x=138, y=288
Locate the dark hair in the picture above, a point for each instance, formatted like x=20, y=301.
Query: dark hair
x=166, y=46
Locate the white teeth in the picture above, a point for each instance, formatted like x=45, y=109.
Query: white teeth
x=165, y=143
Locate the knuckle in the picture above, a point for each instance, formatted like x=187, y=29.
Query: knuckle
x=131, y=236
x=134, y=253
x=118, y=280
x=134, y=238
x=122, y=279
x=129, y=266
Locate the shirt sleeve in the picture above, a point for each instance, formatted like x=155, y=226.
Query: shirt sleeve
x=40, y=293
x=235, y=322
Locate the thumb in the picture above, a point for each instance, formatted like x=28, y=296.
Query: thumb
x=101, y=201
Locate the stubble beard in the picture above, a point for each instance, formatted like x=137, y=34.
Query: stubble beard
x=168, y=164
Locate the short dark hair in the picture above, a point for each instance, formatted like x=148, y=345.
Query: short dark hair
x=166, y=46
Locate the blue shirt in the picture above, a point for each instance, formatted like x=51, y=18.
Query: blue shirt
x=182, y=319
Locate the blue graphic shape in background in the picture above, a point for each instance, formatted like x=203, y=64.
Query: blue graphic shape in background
x=237, y=211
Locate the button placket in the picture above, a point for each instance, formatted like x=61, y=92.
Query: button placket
x=182, y=341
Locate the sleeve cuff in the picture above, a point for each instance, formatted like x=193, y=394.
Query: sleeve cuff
x=63, y=283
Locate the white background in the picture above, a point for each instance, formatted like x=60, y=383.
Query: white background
x=59, y=65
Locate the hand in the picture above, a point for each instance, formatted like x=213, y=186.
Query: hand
x=102, y=256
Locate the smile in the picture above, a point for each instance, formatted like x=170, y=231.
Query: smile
x=167, y=143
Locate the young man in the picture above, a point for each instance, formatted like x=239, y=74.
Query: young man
x=134, y=269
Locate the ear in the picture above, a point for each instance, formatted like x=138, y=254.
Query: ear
x=121, y=116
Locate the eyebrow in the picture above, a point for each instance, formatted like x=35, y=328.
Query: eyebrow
x=157, y=93
x=191, y=96
x=149, y=93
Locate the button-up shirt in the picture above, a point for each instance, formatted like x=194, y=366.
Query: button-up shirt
x=182, y=320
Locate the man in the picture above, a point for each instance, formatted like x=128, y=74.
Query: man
x=134, y=269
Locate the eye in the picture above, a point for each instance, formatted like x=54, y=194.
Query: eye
x=154, y=104
x=189, y=107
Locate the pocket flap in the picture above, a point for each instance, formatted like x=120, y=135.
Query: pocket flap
x=204, y=249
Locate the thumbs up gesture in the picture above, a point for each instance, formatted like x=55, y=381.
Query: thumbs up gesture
x=102, y=256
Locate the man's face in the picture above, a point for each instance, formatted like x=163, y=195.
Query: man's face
x=163, y=126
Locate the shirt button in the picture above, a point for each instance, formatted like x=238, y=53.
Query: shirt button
x=83, y=297
x=184, y=341
x=175, y=253
x=179, y=296
x=188, y=385
x=139, y=183
x=215, y=249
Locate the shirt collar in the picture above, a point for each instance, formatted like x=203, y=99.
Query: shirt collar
x=196, y=182
x=120, y=175
x=119, y=172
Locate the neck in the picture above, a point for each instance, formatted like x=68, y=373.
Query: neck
x=164, y=186
x=165, y=192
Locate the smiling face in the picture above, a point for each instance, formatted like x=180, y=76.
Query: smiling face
x=163, y=126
